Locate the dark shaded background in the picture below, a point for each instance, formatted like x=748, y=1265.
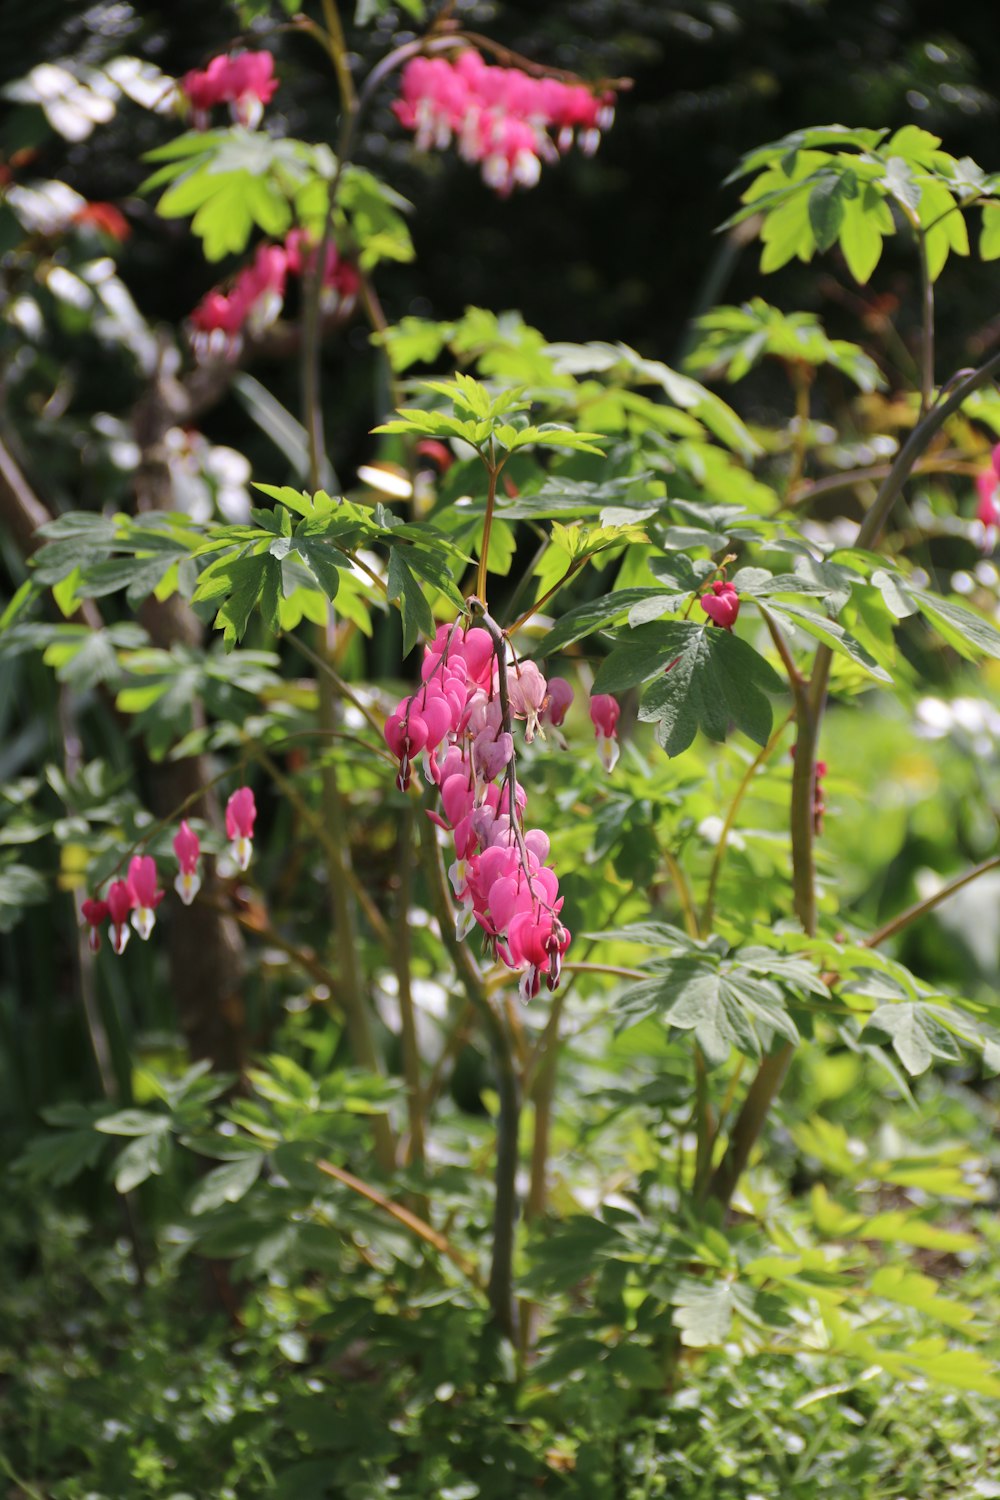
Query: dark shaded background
x=618, y=247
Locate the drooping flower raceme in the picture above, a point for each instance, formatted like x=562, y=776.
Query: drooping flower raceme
x=257, y=295
x=241, y=813
x=456, y=719
x=188, y=851
x=502, y=118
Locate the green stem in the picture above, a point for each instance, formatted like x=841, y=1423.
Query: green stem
x=927, y=326
x=810, y=702
x=759, y=759
x=493, y=470
x=848, y=480
x=407, y=1015
x=500, y=1287
x=523, y=619
x=921, y=908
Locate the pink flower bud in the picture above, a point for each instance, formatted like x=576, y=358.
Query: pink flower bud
x=604, y=712
x=95, y=913
x=560, y=698
x=722, y=605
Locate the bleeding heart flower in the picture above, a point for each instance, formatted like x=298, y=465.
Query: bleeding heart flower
x=722, y=605
x=147, y=896
x=188, y=851
x=241, y=813
x=121, y=900
x=604, y=712
x=96, y=914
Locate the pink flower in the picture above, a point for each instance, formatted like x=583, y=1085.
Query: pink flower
x=250, y=85
x=559, y=700
x=604, y=712
x=121, y=900
x=244, y=81
x=95, y=913
x=500, y=117
x=987, y=482
x=722, y=605
x=188, y=851
x=537, y=940
x=142, y=878
x=527, y=688
x=241, y=812
x=341, y=280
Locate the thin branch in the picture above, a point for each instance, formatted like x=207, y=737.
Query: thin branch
x=404, y=1216
x=493, y=470
x=762, y=756
x=343, y=690
x=771, y=1073
x=851, y=478
x=684, y=896
x=374, y=917
x=407, y=1014
x=523, y=619
x=927, y=326
x=921, y=908
x=795, y=678
x=501, y=1281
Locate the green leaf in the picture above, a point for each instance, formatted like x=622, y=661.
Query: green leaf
x=969, y=634
x=244, y=580
x=916, y=1033
x=147, y=1156
x=416, y=612
x=593, y=615
x=898, y=598
x=710, y=679
x=133, y=1122
x=831, y=634
x=866, y=221
x=723, y=1005
x=643, y=653
x=826, y=205
x=900, y=184
x=226, y=1184
x=989, y=239
x=703, y=1311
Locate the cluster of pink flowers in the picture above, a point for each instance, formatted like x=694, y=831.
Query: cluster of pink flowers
x=502, y=118
x=458, y=720
x=988, y=485
x=722, y=605
x=258, y=291
x=245, y=81
x=136, y=898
